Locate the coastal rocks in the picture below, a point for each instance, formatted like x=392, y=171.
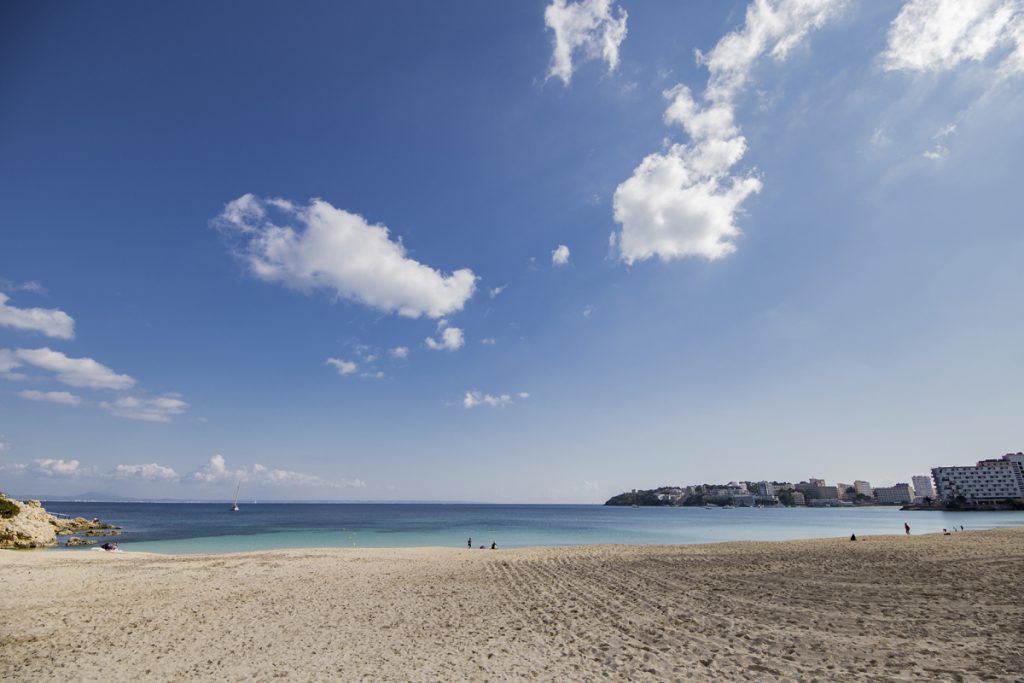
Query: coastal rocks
x=75, y=540
x=30, y=527
x=80, y=524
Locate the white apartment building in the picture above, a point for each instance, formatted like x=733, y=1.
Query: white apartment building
x=923, y=486
x=989, y=480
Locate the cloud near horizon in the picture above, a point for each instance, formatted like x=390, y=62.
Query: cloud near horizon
x=592, y=27
x=320, y=247
x=49, y=321
x=213, y=472
x=684, y=202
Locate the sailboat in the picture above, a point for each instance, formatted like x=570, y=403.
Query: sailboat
x=234, y=505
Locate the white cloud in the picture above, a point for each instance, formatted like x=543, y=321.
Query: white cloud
x=472, y=399
x=451, y=338
x=489, y=341
x=216, y=471
x=495, y=291
x=50, y=321
x=62, y=397
x=684, y=202
x=4, y=446
x=399, y=352
x=344, y=367
x=150, y=472
x=590, y=26
x=560, y=255
x=588, y=311
x=939, y=35
x=160, y=409
x=49, y=467
x=319, y=246
x=76, y=372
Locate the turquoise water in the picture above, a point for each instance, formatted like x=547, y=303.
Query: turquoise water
x=186, y=528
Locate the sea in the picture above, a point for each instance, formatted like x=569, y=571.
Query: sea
x=211, y=528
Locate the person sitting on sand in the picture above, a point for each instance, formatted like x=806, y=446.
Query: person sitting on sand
x=109, y=547
x=494, y=546
x=853, y=537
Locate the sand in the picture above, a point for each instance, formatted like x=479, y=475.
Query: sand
x=884, y=608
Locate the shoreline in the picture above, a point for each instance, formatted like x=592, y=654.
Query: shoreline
x=921, y=607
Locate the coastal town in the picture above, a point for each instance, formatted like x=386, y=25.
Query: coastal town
x=996, y=483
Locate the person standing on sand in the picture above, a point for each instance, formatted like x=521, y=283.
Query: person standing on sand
x=469, y=543
x=906, y=527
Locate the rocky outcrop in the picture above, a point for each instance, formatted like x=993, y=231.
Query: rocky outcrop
x=75, y=540
x=31, y=527
x=91, y=527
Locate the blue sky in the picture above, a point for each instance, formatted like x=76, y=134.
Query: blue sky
x=517, y=252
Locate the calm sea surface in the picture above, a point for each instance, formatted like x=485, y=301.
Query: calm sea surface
x=180, y=528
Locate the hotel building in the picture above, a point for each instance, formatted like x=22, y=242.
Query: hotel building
x=989, y=480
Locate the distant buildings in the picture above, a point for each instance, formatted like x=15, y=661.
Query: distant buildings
x=988, y=481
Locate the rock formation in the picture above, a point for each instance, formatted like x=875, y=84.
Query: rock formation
x=31, y=527
x=28, y=525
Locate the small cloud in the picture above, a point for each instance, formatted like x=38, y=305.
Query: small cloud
x=160, y=409
x=62, y=397
x=399, y=352
x=30, y=286
x=474, y=398
x=4, y=446
x=495, y=291
x=344, y=367
x=488, y=341
x=451, y=338
x=588, y=311
x=373, y=375
x=593, y=27
x=50, y=321
x=560, y=256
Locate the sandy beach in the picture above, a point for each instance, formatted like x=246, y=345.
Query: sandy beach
x=884, y=608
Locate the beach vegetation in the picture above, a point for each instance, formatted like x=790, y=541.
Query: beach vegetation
x=8, y=508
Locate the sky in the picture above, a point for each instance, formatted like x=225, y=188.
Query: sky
x=511, y=252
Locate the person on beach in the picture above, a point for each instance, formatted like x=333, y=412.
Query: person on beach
x=853, y=537
x=906, y=527
x=494, y=546
x=469, y=543
x=109, y=547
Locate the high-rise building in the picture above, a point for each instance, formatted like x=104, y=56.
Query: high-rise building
x=923, y=486
x=863, y=488
x=989, y=480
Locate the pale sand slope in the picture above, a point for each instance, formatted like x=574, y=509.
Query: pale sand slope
x=925, y=608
